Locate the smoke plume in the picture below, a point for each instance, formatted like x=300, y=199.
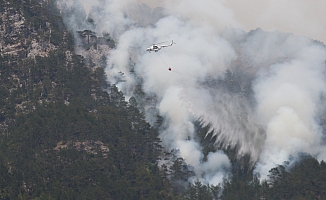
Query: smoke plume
x=259, y=91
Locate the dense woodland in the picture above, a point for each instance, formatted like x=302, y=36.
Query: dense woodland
x=67, y=134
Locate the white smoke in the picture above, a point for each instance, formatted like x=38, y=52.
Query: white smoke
x=267, y=106
x=289, y=99
x=300, y=17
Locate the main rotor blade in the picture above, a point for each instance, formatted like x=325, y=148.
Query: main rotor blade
x=162, y=42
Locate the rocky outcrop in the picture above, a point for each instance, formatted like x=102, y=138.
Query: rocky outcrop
x=90, y=146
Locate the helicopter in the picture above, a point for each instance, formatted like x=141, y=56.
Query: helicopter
x=157, y=47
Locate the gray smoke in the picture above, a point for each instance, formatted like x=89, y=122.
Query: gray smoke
x=259, y=91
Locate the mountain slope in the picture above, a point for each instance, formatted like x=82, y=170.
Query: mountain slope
x=62, y=135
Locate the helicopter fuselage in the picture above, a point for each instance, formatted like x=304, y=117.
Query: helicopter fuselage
x=156, y=47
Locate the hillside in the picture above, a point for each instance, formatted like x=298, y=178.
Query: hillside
x=62, y=135
x=68, y=134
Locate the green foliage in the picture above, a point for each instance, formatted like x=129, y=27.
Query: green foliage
x=38, y=169
x=305, y=180
x=242, y=189
x=65, y=137
x=198, y=191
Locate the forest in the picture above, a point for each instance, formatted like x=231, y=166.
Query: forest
x=68, y=134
